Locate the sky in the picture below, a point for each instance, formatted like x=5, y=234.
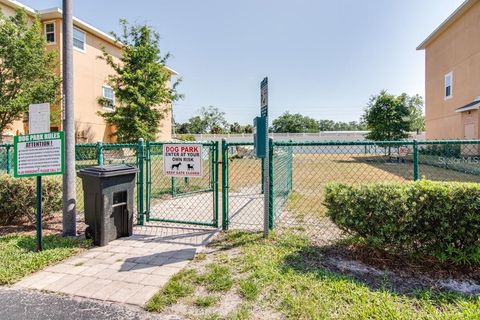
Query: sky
x=324, y=59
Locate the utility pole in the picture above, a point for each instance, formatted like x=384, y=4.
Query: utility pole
x=69, y=196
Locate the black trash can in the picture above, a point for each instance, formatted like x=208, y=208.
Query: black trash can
x=108, y=201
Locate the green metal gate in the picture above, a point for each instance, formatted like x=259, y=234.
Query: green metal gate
x=192, y=201
x=243, y=185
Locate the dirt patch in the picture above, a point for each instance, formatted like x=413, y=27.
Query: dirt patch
x=429, y=267
x=383, y=271
x=50, y=226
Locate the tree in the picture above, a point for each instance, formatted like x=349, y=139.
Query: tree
x=330, y=125
x=209, y=120
x=213, y=120
x=415, y=107
x=294, y=123
x=248, y=128
x=388, y=117
x=193, y=126
x=27, y=70
x=235, y=128
x=140, y=83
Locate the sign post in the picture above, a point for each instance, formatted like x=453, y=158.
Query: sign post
x=38, y=155
x=266, y=176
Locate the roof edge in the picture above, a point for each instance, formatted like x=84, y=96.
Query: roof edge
x=475, y=105
x=467, y=4
x=17, y=5
x=172, y=72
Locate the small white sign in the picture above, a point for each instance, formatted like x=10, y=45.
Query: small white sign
x=182, y=160
x=39, y=118
x=403, y=151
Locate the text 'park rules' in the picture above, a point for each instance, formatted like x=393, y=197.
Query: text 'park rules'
x=39, y=154
x=182, y=160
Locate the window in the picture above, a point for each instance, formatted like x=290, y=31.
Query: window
x=108, y=97
x=79, y=39
x=50, y=32
x=449, y=85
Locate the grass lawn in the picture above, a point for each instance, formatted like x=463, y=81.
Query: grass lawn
x=18, y=257
x=245, y=277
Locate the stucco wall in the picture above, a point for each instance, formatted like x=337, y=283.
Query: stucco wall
x=7, y=10
x=90, y=74
x=456, y=50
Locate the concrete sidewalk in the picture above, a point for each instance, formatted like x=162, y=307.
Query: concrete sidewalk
x=129, y=270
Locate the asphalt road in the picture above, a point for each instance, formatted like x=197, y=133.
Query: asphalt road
x=33, y=305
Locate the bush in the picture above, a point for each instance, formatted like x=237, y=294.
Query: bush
x=440, y=219
x=445, y=150
x=186, y=137
x=86, y=153
x=18, y=199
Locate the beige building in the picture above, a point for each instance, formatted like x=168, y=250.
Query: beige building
x=452, y=79
x=90, y=75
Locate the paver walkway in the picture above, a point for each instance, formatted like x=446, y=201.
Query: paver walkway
x=129, y=270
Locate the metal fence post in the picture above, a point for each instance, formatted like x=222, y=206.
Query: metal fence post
x=224, y=185
x=9, y=163
x=174, y=186
x=271, y=195
x=99, y=148
x=415, y=160
x=215, y=181
x=261, y=174
x=213, y=151
x=290, y=167
x=148, y=179
x=140, y=182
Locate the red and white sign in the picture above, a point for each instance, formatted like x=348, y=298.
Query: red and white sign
x=403, y=151
x=182, y=160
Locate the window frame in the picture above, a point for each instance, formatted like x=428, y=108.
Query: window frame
x=106, y=98
x=448, y=76
x=52, y=22
x=84, y=40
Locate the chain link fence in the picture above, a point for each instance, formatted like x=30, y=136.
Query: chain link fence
x=6, y=158
x=299, y=172
x=243, y=197
x=191, y=201
x=315, y=165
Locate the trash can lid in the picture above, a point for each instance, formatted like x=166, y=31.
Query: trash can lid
x=110, y=170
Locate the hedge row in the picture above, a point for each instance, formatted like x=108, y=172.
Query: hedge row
x=18, y=199
x=440, y=219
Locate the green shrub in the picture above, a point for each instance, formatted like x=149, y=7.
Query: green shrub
x=185, y=137
x=445, y=150
x=440, y=219
x=86, y=153
x=17, y=198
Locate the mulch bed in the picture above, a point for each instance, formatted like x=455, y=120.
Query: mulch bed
x=50, y=226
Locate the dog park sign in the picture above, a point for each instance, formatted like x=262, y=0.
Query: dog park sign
x=39, y=154
x=182, y=160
